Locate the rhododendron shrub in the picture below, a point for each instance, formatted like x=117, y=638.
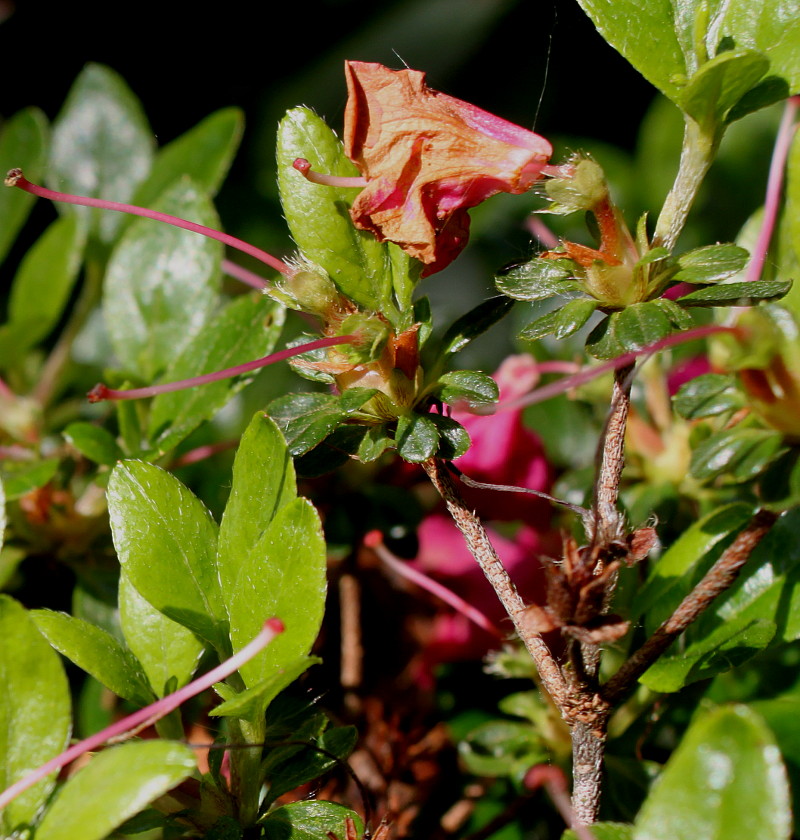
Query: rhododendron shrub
x=406, y=596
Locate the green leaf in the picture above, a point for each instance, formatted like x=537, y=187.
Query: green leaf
x=471, y=386
x=641, y=324
x=738, y=454
x=737, y=294
x=251, y=703
x=318, y=216
x=309, y=821
x=678, y=317
x=166, y=650
x=331, y=453
x=454, y=439
x=707, y=396
x=720, y=83
x=475, y=323
x=3, y=524
x=35, y=715
x=283, y=575
x=604, y=831
x=93, y=442
x=161, y=285
x=204, y=153
x=710, y=264
x=247, y=328
x=125, y=779
x=102, y=146
x=166, y=542
x=673, y=574
x=724, y=782
x=23, y=145
x=263, y=484
x=417, y=438
x=561, y=322
x=602, y=341
x=726, y=647
x=97, y=652
x=502, y=748
x=375, y=442
x=669, y=42
x=20, y=477
x=538, y=280
x=306, y=419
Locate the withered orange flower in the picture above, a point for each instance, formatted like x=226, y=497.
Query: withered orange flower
x=427, y=158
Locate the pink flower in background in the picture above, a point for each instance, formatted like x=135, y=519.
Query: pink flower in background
x=505, y=451
x=427, y=158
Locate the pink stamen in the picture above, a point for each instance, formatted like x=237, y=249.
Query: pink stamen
x=149, y=714
x=15, y=178
x=374, y=540
x=552, y=389
x=783, y=142
x=102, y=392
x=250, y=278
x=200, y=453
x=304, y=168
x=538, y=229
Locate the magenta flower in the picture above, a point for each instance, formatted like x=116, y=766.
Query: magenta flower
x=427, y=158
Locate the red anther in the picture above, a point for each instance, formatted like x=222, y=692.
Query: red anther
x=275, y=624
x=302, y=166
x=99, y=393
x=372, y=539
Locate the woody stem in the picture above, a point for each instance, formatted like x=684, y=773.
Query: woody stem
x=483, y=551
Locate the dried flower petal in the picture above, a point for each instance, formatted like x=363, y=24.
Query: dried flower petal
x=427, y=158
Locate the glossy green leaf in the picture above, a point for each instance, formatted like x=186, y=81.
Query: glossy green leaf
x=679, y=318
x=502, y=748
x=332, y=452
x=375, y=442
x=204, y=153
x=740, y=454
x=475, y=323
x=102, y=146
x=768, y=588
x=35, y=715
x=604, y=831
x=166, y=542
x=720, y=83
x=728, y=646
x=671, y=577
x=707, y=396
x=454, y=439
x=23, y=145
x=737, y=294
x=263, y=483
x=602, y=341
x=45, y=278
x=93, y=442
x=471, y=386
x=710, y=264
x=668, y=42
x=724, y=782
x=282, y=576
x=165, y=649
x=318, y=216
x=253, y=702
x=417, y=438
x=641, y=324
x=161, y=284
x=246, y=329
x=561, y=322
x=306, y=419
x=20, y=477
x=538, y=280
x=310, y=821
x=124, y=779
x=97, y=652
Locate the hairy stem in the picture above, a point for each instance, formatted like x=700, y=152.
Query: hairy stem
x=697, y=153
x=717, y=580
x=483, y=551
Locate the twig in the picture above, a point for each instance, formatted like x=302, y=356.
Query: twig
x=717, y=580
x=483, y=551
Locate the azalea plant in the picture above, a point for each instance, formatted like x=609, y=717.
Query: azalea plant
x=318, y=637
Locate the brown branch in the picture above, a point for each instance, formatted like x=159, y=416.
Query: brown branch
x=483, y=551
x=717, y=580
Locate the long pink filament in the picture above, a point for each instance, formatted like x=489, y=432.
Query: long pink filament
x=149, y=714
x=102, y=392
x=375, y=541
x=15, y=178
x=304, y=168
